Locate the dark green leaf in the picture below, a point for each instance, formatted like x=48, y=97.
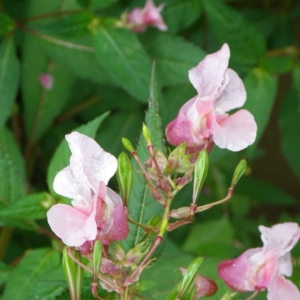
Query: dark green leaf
x=62, y=154
x=95, y=4
x=33, y=207
x=174, y=60
x=141, y=204
x=27, y=274
x=245, y=41
x=179, y=14
x=261, y=90
x=6, y=23
x=9, y=77
x=290, y=127
x=124, y=59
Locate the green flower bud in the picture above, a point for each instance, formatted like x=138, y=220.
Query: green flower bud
x=239, y=171
x=73, y=273
x=97, y=255
x=127, y=145
x=200, y=173
x=124, y=177
x=146, y=134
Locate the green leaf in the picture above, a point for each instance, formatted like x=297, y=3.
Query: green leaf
x=245, y=41
x=141, y=204
x=9, y=77
x=261, y=90
x=95, y=4
x=180, y=14
x=26, y=276
x=6, y=23
x=4, y=272
x=32, y=207
x=124, y=59
x=62, y=154
x=41, y=105
x=174, y=60
x=289, y=122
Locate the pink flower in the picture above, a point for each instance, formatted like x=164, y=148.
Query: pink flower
x=204, y=286
x=46, y=80
x=96, y=210
x=203, y=120
x=263, y=268
x=140, y=18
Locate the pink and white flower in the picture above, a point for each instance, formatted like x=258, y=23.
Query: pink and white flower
x=140, y=18
x=96, y=210
x=46, y=80
x=203, y=120
x=264, y=268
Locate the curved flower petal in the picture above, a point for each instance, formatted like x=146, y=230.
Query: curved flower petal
x=235, y=132
x=180, y=129
x=282, y=289
x=90, y=159
x=72, y=225
x=208, y=78
x=153, y=17
x=234, y=95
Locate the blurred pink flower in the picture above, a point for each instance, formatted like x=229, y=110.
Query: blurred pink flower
x=203, y=120
x=140, y=18
x=204, y=286
x=46, y=80
x=97, y=210
x=263, y=268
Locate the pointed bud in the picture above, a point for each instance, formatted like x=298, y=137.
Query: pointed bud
x=200, y=173
x=146, y=134
x=120, y=253
x=124, y=177
x=239, y=171
x=134, y=255
x=178, y=160
x=180, y=213
x=73, y=273
x=97, y=256
x=127, y=145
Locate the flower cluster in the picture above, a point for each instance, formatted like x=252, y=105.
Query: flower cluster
x=203, y=120
x=96, y=210
x=264, y=268
x=140, y=18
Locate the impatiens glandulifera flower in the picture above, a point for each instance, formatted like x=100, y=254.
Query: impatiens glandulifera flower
x=205, y=287
x=140, y=18
x=264, y=268
x=96, y=210
x=203, y=120
x=46, y=80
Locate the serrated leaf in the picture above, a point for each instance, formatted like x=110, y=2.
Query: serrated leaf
x=27, y=274
x=124, y=59
x=173, y=56
x=141, y=204
x=246, y=43
x=261, y=90
x=62, y=154
x=32, y=207
x=289, y=122
x=9, y=77
x=180, y=14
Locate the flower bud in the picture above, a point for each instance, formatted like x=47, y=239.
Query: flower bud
x=97, y=255
x=146, y=134
x=200, y=173
x=73, y=273
x=178, y=160
x=135, y=255
x=124, y=177
x=239, y=171
x=127, y=144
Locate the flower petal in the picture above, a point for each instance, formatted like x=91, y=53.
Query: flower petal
x=235, y=132
x=209, y=78
x=234, y=95
x=282, y=289
x=71, y=225
x=90, y=159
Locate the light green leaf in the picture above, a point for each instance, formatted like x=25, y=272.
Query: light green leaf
x=141, y=204
x=32, y=207
x=28, y=274
x=124, y=59
x=261, y=90
x=9, y=77
x=174, y=60
x=179, y=14
x=62, y=154
x=245, y=41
